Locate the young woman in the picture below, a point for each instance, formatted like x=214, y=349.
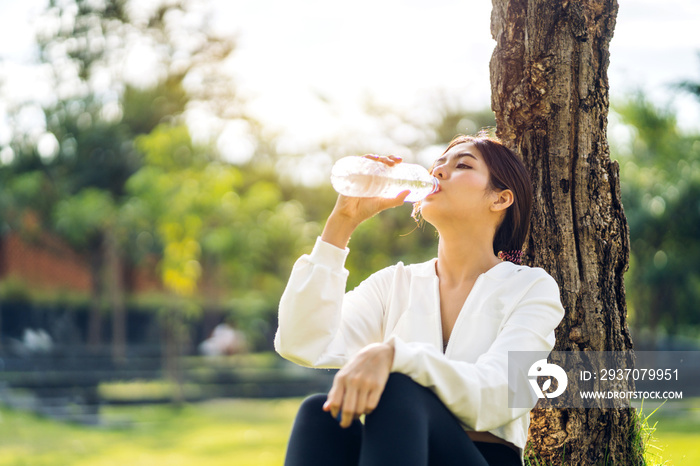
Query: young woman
x=423, y=348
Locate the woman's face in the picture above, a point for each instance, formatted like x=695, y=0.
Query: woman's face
x=464, y=186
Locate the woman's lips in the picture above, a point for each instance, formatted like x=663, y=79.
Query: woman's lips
x=434, y=192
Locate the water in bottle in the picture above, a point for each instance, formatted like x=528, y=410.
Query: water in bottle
x=362, y=177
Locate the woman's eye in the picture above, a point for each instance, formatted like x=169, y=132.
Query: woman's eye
x=461, y=165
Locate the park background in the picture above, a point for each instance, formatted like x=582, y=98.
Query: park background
x=161, y=170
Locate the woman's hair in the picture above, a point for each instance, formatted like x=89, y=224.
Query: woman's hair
x=506, y=171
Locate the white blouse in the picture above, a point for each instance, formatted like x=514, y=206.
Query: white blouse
x=510, y=308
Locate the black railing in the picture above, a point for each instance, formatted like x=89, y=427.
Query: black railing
x=69, y=384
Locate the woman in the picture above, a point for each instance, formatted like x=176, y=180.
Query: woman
x=423, y=348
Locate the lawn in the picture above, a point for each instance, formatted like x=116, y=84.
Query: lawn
x=676, y=441
x=226, y=432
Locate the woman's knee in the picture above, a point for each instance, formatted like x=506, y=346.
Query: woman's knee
x=400, y=386
x=312, y=405
x=311, y=418
x=400, y=393
x=318, y=439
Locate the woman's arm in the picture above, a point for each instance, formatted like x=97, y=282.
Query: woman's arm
x=358, y=386
x=319, y=324
x=314, y=307
x=349, y=212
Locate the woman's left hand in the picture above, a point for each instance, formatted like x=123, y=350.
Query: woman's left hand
x=358, y=386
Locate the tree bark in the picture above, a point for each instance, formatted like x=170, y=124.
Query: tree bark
x=550, y=96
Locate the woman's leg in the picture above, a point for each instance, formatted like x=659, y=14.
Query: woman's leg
x=496, y=453
x=317, y=439
x=411, y=426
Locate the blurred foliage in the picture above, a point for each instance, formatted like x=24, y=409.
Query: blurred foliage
x=69, y=177
x=118, y=158
x=218, y=221
x=117, y=161
x=692, y=87
x=660, y=172
x=418, y=133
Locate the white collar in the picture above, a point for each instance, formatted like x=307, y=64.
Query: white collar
x=500, y=271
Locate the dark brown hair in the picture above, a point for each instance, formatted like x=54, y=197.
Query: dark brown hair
x=506, y=171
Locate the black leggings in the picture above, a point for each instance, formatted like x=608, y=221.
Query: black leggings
x=410, y=426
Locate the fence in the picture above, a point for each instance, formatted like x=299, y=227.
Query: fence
x=73, y=385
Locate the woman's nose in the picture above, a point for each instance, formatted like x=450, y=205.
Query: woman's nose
x=439, y=172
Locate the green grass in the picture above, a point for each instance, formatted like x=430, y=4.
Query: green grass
x=240, y=432
x=676, y=440
x=668, y=434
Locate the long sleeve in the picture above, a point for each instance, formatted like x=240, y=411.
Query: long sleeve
x=319, y=324
x=477, y=392
x=510, y=308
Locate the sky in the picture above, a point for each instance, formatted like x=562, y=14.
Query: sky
x=306, y=67
x=401, y=51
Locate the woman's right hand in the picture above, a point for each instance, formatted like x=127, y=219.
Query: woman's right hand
x=349, y=212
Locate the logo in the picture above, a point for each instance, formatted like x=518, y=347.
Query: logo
x=542, y=368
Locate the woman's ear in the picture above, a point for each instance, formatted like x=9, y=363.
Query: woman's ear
x=502, y=200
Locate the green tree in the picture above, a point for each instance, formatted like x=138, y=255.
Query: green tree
x=221, y=227
x=98, y=114
x=549, y=90
x=660, y=167
x=690, y=86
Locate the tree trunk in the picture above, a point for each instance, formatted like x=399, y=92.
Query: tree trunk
x=115, y=292
x=96, y=255
x=172, y=341
x=550, y=95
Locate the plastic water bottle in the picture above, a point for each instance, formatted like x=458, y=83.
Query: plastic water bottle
x=357, y=176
